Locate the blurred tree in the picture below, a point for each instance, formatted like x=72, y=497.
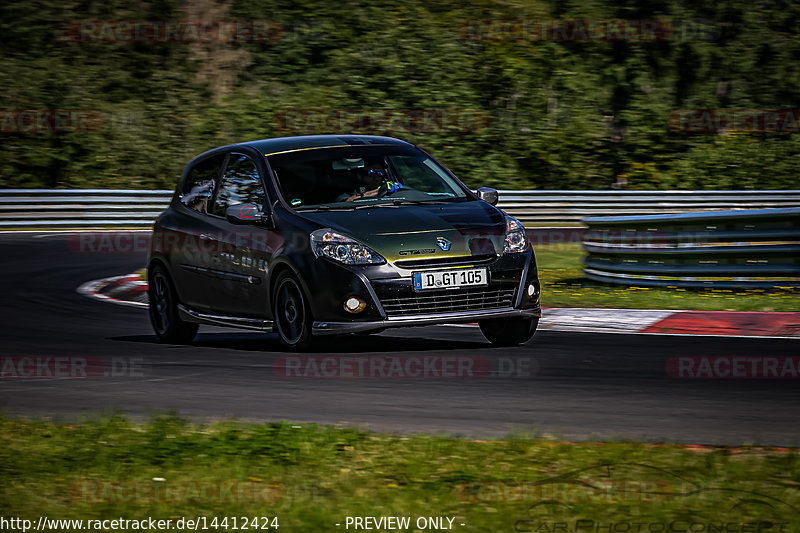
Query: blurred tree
x=540, y=113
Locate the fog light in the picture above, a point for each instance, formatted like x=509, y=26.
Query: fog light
x=354, y=304
x=531, y=290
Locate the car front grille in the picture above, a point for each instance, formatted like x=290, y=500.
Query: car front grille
x=450, y=301
x=446, y=261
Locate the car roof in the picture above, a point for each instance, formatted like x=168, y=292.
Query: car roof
x=305, y=142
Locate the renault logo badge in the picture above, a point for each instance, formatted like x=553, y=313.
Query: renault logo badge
x=443, y=243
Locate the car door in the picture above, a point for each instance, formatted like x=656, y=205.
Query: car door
x=239, y=285
x=191, y=244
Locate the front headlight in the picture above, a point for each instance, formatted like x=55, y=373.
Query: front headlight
x=328, y=243
x=515, y=236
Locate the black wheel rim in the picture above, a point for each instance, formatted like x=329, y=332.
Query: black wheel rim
x=290, y=311
x=160, y=304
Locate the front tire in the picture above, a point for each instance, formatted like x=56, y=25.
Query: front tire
x=163, y=310
x=508, y=331
x=293, y=320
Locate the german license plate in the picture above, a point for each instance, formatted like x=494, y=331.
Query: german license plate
x=445, y=279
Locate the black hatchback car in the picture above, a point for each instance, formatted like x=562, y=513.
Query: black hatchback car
x=334, y=234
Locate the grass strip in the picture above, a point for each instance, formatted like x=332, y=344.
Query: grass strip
x=313, y=477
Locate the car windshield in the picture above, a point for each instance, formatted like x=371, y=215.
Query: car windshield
x=354, y=176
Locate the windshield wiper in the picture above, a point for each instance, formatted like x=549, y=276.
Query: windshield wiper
x=337, y=208
x=419, y=202
x=388, y=202
x=322, y=208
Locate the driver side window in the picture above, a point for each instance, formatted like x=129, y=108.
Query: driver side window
x=240, y=184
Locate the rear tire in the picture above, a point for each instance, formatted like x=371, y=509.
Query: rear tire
x=508, y=331
x=293, y=320
x=163, y=310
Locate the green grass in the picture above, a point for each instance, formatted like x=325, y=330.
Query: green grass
x=563, y=285
x=320, y=475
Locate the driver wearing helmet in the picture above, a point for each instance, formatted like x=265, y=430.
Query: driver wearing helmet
x=374, y=183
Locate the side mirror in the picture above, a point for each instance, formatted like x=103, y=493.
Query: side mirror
x=244, y=214
x=488, y=195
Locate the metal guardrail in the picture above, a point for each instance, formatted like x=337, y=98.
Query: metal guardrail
x=95, y=208
x=537, y=207
x=725, y=249
x=76, y=208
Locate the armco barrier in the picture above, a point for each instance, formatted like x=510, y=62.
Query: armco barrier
x=558, y=207
x=726, y=249
x=98, y=208
x=80, y=208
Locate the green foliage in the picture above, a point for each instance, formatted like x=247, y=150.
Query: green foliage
x=552, y=114
x=112, y=468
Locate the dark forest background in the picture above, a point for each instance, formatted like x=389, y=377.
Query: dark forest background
x=550, y=114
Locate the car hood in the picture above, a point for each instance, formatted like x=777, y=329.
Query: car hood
x=412, y=231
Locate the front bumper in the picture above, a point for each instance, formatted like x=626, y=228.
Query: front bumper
x=336, y=328
x=394, y=303
x=391, y=300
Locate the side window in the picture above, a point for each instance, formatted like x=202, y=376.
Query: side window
x=198, y=189
x=240, y=184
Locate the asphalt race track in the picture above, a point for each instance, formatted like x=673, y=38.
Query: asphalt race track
x=582, y=385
